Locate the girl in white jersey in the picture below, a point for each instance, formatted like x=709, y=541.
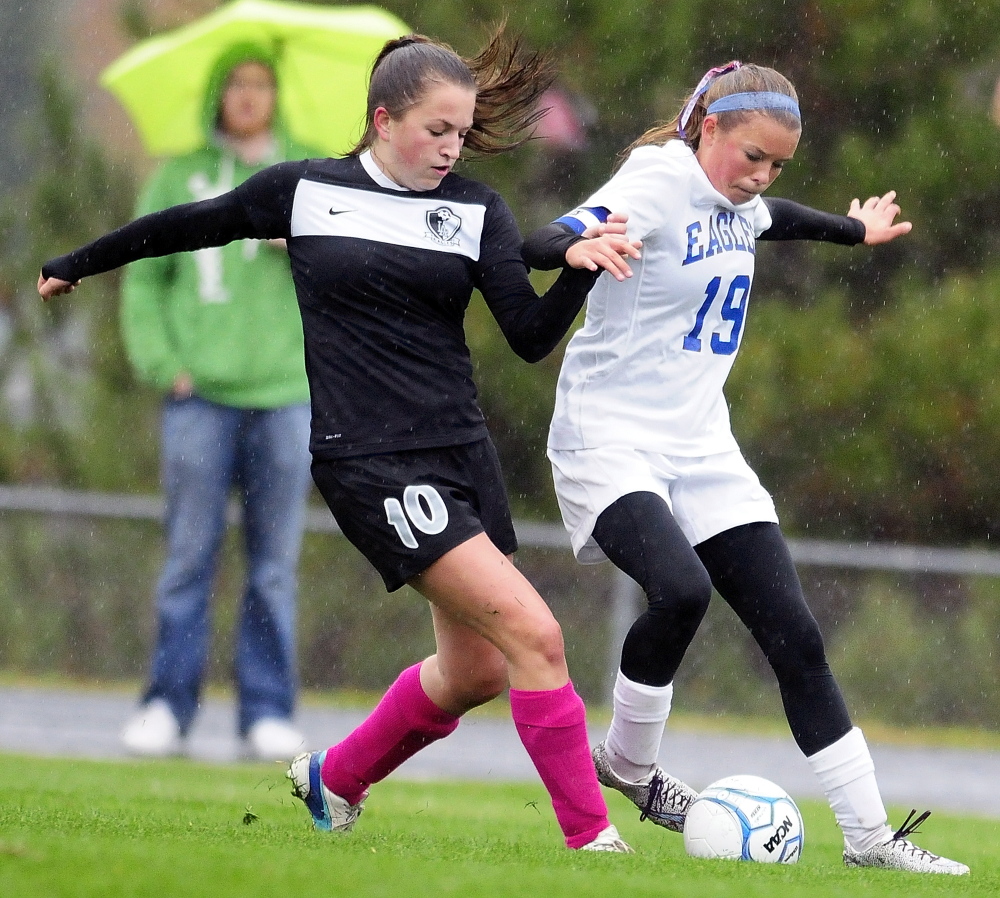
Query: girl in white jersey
x=386, y=247
x=646, y=468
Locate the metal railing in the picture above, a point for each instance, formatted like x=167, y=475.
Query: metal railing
x=626, y=601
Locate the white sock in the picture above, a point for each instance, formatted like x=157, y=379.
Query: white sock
x=847, y=774
x=633, y=740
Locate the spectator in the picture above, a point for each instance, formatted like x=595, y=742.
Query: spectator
x=218, y=331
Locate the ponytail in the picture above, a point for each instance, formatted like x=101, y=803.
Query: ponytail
x=508, y=82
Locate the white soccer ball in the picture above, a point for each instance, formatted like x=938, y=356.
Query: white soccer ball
x=744, y=818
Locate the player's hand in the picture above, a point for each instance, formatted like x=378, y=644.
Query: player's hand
x=49, y=287
x=606, y=246
x=879, y=216
x=616, y=224
x=610, y=252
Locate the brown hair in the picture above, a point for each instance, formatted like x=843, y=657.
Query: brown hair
x=508, y=82
x=745, y=79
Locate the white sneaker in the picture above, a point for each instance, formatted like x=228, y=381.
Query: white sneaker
x=330, y=812
x=899, y=854
x=608, y=840
x=274, y=739
x=153, y=731
x=664, y=799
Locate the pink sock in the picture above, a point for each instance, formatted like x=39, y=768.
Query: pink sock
x=553, y=727
x=404, y=722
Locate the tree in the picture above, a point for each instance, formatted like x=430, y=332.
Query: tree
x=895, y=95
x=76, y=420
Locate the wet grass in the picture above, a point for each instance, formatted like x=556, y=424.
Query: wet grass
x=177, y=828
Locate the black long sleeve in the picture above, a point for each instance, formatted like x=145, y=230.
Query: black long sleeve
x=183, y=228
x=793, y=221
x=545, y=248
x=535, y=328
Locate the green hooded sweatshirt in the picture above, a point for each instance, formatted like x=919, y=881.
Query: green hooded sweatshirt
x=226, y=315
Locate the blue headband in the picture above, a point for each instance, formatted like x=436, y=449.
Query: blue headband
x=755, y=101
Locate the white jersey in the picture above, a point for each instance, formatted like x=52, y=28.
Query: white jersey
x=647, y=368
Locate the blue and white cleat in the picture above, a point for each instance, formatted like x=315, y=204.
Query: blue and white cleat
x=330, y=812
x=664, y=800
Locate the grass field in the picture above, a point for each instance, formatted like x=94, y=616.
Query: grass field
x=176, y=828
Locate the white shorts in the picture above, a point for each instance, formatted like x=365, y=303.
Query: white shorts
x=706, y=495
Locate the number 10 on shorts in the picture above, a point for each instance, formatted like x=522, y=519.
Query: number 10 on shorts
x=422, y=507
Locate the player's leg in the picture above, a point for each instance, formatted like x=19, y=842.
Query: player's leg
x=491, y=627
x=466, y=669
x=422, y=706
x=753, y=571
x=474, y=587
x=439, y=520
x=404, y=511
x=639, y=535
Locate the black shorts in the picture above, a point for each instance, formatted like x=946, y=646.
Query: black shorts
x=404, y=510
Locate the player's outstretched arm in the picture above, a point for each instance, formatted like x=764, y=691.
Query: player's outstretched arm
x=183, y=228
x=878, y=214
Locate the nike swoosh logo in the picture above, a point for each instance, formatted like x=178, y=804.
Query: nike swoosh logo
x=341, y=211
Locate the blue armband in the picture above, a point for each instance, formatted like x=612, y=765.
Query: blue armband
x=584, y=217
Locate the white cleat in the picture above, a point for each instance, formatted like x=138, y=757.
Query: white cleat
x=898, y=853
x=664, y=800
x=608, y=840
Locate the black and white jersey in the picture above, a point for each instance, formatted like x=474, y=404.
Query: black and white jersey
x=383, y=277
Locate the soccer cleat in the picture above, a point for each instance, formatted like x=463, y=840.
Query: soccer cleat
x=330, y=812
x=153, y=731
x=608, y=840
x=898, y=853
x=663, y=800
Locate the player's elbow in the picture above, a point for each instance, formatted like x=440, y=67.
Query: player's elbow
x=531, y=352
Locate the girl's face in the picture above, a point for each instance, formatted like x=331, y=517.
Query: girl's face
x=744, y=161
x=420, y=147
x=248, y=100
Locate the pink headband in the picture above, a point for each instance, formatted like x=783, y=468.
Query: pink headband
x=710, y=76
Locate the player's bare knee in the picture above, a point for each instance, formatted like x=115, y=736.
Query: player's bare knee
x=485, y=681
x=545, y=641
x=487, y=689
x=468, y=688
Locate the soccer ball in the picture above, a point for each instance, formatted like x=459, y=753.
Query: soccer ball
x=744, y=818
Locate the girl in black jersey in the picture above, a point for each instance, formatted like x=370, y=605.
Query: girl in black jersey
x=386, y=246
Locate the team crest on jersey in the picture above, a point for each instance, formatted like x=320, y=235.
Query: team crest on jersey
x=443, y=225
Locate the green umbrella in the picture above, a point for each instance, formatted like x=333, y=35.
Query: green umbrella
x=323, y=55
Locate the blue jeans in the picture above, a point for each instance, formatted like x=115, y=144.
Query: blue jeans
x=206, y=450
